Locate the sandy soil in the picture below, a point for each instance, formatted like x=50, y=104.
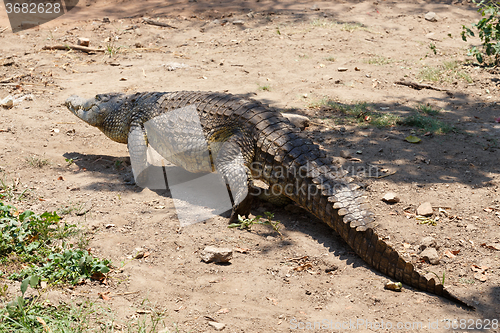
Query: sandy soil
x=294, y=50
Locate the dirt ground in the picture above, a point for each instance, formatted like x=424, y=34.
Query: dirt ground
x=286, y=54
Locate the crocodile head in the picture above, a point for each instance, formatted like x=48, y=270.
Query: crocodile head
x=96, y=110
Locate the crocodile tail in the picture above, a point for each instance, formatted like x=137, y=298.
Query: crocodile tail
x=312, y=182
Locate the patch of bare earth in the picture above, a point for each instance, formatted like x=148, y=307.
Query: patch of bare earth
x=286, y=54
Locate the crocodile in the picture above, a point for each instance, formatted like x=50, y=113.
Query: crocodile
x=271, y=149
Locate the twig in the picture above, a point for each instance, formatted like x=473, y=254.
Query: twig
x=11, y=78
x=383, y=176
x=419, y=86
x=2, y=30
x=126, y=293
x=160, y=24
x=72, y=47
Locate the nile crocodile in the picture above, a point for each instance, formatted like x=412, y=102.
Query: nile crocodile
x=272, y=150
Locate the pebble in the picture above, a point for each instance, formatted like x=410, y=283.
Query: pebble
x=345, y=154
x=238, y=22
x=427, y=242
x=342, y=69
x=425, y=209
x=470, y=227
x=83, y=41
x=430, y=254
x=314, y=7
x=216, y=325
x=216, y=254
x=390, y=197
x=431, y=17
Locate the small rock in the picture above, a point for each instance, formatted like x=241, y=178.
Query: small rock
x=431, y=17
x=427, y=242
x=297, y=120
x=8, y=104
x=431, y=36
x=217, y=255
x=345, y=154
x=390, y=197
x=470, y=227
x=314, y=7
x=425, y=209
x=83, y=41
x=342, y=69
x=430, y=254
x=238, y=22
x=216, y=325
x=106, y=20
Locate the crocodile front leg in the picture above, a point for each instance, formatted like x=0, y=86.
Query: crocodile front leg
x=138, y=149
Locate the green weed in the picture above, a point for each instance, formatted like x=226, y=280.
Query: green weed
x=33, y=239
x=37, y=162
x=77, y=208
x=427, y=123
x=12, y=191
x=449, y=71
x=247, y=223
x=332, y=59
x=432, y=46
x=264, y=88
x=350, y=27
x=379, y=61
x=489, y=32
x=360, y=113
x=323, y=23
x=427, y=109
x=430, y=74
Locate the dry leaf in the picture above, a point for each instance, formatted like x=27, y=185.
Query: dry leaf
x=44, y=324
x=412, y=139
x=449, y=254
x=303, y=267
x=104, y=296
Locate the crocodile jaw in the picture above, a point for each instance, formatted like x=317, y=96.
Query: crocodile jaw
x=83, y=108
